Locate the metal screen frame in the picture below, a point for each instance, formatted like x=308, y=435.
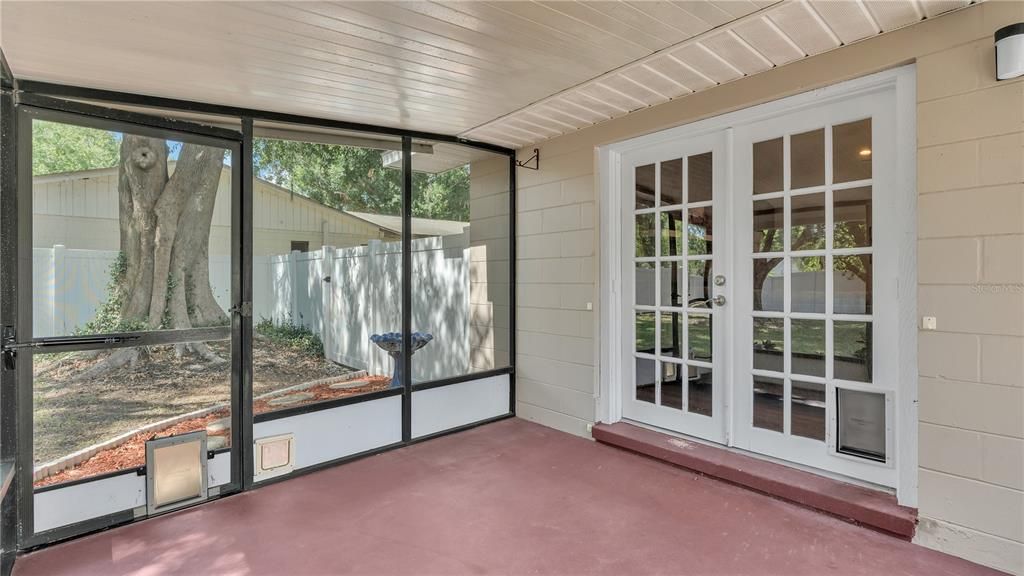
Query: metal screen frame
x=59, y=100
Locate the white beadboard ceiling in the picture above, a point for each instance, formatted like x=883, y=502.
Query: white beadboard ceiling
x=511, y=73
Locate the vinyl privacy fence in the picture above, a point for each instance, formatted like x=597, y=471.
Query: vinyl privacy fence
x=343, y=294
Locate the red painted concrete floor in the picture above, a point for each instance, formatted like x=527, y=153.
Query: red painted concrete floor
x=507, y=498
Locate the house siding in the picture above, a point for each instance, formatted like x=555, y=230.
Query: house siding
x=80, y=210
x=971, y=267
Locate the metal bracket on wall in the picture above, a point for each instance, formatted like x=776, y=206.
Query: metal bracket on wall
x=535, y=159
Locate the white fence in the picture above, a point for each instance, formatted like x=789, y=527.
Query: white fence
x=808, y=290
x=344, y=295
x=69, y=286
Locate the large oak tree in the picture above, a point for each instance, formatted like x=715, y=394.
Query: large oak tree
x=164, y=218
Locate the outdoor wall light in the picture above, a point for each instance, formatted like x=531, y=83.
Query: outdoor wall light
x=1010, y=51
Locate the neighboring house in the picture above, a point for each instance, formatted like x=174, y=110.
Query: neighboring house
x=78, y=210
x=421, y=227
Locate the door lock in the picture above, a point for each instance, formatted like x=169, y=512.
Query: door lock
x=719, y=280
x=718, y=300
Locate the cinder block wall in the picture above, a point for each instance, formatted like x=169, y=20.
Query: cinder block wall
x=489, y=278
x=971, y=278
x=971, y=269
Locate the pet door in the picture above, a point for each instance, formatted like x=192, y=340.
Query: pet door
x=175, y=471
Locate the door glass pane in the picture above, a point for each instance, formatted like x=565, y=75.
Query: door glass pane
x=852, y=215
x=701, y=394
x=769, y=221
x=808, y=281
x=644, y=186
x=807, y=410
x=851, y=284
x=700, y=278
x=645, y=235
x=852, y=350
x=700, y=230
x=672, y=385
x=768, y=397
x=808, y=222
x=102, y=259
x=124, y=396
x=768, y=165
x=807, y=338
x=699, y=178
x=672, y=182
x=327, y=271
x=699, y=326
x=861, y=417
x=769, y=344
x=851, y=151
x=672, y=283
x=646, y=373
x=645, y=332
x=672, y=334
x=672, y=233
x=807, y=159
x=646, y=280
x=769, y=284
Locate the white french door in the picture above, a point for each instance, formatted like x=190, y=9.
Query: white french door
x=675, y=352
x=767, y=270
x=814, y=320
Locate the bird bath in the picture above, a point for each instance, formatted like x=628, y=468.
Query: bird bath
x=391, y=342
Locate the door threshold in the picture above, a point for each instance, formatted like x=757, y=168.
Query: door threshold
x=870, y=508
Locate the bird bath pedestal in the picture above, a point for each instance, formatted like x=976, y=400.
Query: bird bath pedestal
x=391, y=342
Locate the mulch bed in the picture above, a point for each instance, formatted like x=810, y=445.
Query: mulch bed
x=132, y=453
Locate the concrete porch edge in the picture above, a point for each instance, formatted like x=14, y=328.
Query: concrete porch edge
x=857, y=504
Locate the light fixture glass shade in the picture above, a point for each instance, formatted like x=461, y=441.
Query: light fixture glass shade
x=1010, y=51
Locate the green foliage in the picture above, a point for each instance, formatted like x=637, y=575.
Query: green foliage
x=108, y=317
x=355, y=179
x=291, y=335
x=65, y=147
x=443, y=196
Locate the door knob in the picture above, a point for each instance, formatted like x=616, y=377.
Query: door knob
x=718, y=300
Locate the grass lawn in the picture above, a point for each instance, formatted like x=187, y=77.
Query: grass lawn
x=808, y=335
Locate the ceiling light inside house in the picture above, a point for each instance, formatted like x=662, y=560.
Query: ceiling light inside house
x=864, y=153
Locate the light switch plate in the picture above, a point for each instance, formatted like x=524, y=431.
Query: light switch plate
x=929, y=323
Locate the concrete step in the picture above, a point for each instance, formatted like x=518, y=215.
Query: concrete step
x=870, y=508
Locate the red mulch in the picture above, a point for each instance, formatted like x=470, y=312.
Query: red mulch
x=132, y=453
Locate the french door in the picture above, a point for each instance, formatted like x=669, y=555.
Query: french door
x=815, y=315
x=673, y=263
x=760, y=263
x=124, y=227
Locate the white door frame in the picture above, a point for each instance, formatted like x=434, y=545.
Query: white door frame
x=613, y=201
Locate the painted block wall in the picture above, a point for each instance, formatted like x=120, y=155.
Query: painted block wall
x=489, y=278
x=971, y=267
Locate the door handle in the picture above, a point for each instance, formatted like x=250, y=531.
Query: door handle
x=718, y=300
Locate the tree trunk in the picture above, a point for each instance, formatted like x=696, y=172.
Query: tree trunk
x=165, y=221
